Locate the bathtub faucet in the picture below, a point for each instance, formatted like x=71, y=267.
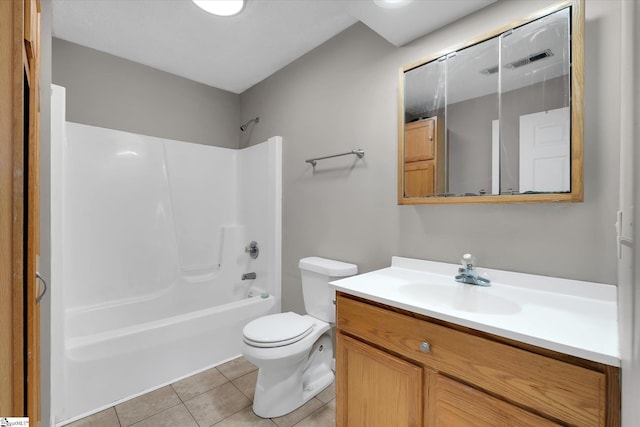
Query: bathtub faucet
x=246, y=276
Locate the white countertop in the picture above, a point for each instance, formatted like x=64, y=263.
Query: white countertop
x=569, y=316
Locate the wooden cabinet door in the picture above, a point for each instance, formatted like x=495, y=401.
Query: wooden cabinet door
x=376, y=389
x=423, y=176
x=451, y=403
x=419, y=140
x=419, y=179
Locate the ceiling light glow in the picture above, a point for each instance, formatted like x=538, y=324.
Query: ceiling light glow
x=220, y=7
x=392, y=4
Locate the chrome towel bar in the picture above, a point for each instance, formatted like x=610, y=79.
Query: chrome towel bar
x=358, y=152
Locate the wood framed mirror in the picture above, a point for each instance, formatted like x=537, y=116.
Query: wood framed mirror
x=498, y=119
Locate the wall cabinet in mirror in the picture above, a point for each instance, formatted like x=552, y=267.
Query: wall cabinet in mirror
x=498, y=120
x=424, y=158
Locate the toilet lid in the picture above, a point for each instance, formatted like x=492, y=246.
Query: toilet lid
x=277, y=330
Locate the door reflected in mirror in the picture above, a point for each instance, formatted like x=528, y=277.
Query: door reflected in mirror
x=499, y=120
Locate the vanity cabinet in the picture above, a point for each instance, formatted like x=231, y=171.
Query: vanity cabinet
x=423, y=158
x=397, y=368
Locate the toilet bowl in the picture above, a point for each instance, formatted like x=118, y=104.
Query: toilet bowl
x=293, y=352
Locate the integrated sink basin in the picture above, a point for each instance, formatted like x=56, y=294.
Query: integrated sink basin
x=569, y=316
x=461, y=297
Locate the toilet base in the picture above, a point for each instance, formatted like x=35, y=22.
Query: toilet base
x=281, y=391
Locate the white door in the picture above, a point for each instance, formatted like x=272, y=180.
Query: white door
x=545, y=151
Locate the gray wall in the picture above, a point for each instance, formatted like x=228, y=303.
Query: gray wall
x=111, y=92
x=469, y=140
x=469, y=134
x=343, y=95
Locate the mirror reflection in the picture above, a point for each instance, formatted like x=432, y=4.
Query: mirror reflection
x=493, y=118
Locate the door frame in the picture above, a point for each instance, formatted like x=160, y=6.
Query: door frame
x=19, y=209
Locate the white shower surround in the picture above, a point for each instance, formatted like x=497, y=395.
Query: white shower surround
x=149, y=237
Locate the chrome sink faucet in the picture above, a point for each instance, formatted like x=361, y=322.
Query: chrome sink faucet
x=469, y=274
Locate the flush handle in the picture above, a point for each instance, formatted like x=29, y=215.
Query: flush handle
x=425, y=347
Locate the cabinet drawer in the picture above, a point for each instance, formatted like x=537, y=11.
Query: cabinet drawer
x=563, y=391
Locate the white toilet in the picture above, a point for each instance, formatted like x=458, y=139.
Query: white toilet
x=294, y=353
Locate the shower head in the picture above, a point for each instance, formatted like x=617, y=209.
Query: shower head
x=246, y=125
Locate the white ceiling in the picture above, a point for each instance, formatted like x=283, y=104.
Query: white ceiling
x=234, y=53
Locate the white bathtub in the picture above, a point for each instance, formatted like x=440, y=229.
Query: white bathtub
x=126, y=361
x=150, y=238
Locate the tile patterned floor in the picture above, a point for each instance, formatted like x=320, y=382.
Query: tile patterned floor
x=220, y=397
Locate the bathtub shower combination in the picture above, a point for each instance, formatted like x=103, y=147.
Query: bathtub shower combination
x=150, y=244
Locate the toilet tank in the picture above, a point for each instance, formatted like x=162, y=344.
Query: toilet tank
x=316, y=274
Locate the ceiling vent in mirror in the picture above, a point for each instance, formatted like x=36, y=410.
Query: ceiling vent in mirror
x=520, y=62
x=490, y=70
x=529, y=59
x=220, y=7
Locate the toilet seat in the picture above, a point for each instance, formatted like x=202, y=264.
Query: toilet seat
x=277, y=330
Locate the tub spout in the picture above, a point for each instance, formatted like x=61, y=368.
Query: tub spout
x=246, y=276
